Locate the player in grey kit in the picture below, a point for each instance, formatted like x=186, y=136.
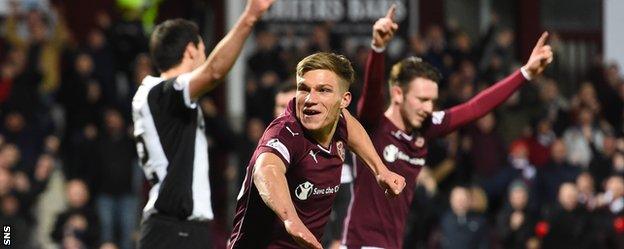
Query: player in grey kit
x=294, y=174
x=401, y=131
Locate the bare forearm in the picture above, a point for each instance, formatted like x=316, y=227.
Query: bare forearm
x=361, y=144
x=272, y=186
x=222, y=57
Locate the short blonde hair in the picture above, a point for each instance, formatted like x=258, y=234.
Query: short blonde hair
x=338, y=64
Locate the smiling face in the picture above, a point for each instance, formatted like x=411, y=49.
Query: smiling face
x=416, y=102
x=323, y=81
x=413, y=92
x=319, y=99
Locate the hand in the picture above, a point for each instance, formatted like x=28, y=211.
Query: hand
x=77, y=222
x=516, y=220
x=301, y=234
x=256, y=8
x=384, y=29
x=541, y=56
x=391, y=182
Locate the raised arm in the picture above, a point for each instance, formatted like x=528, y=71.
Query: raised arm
x=370, y=105
x=362, y=146
x=495, y=95
x=269, y=177
x=221, y=59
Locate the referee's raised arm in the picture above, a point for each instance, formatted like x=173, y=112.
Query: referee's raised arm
x=221, y=59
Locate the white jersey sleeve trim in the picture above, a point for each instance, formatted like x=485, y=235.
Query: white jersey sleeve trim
x=183, y=83
x=280, y=147
x=437, y=117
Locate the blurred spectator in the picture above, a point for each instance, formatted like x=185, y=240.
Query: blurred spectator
x=23, y=80
x=9, y=215
x=127, y=38
x=587, y=193
x=80, y=163
x=569, y=223
x=6, y=182
x=461, y=49
x=581, y=137
x=26, y=137
x=285, y=93
x=515, y=222
x=43, y=39
x=422, y=216
x=586, y=98
x=103, y=66
x=601, y=165
x=418, y=46
x=553, y=105
x=267, y=56
x=487, y=151
x=539, y=143
x=108, y=246
x=81, y=96
x=498, y=55
x=259, y=97
x=116, y=201
x=460, y=227
x=27, y=186
x=611, y=214
x=9, y=156
x=553, y=174
x=618, y=164
x=608, y=86
x=78, y=225
x=437, y=50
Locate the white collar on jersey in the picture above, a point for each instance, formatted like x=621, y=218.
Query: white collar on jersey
x=328, y=151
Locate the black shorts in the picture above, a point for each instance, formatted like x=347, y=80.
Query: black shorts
x=164, y=232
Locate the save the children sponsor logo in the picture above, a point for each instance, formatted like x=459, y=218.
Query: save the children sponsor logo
x=391, y=153
x=307, y=189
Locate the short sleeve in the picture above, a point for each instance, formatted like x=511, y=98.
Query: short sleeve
x=182, y=84
x=282, y=140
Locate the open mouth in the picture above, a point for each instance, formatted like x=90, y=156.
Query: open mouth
x=310, y=112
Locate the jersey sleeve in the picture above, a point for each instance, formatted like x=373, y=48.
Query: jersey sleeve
x=371, y=103
x=174, y=94
x=444, y=122
x=283, y=140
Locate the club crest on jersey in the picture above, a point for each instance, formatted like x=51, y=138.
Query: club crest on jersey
x=420, y=142
x=304, y=190
x=341, y=150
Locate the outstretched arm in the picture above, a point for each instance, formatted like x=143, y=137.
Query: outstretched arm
x=221, y=59
x=370, y=105
x=495, y=95
x=269, y=177
x=361, y=145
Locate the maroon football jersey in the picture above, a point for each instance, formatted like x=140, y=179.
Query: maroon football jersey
x=313, y=176
x=373, y=220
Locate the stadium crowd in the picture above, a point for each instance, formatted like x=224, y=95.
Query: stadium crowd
x=546, y=169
